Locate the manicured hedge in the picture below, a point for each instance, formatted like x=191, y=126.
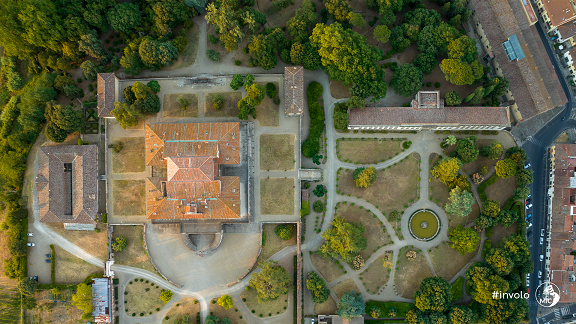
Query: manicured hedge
x=59, y=286
x=484, y=185
x=311, y=145
x=402, y=308
x=486, y=248
x=305, y=210
x=52, y=264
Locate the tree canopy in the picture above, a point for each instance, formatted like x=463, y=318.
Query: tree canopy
x=464, y=240
x=505, y=168
x=434, y=295
x=446, y=170
x=467, y=149
x=82, y=299
x=492, y=151
x=459, y=203
x=351, y=305
x=407, y=80
x=365, y=177
x=343, y=239
x=317, y=287
x=270, y=282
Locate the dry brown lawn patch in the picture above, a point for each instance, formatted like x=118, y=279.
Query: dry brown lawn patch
x=499, y=233
x=51, y=312
x=277, y=196
x=395, y=188
x=272, y=243
x=188, y=55
x=274, y=307
x=143, y=297
x=129, y=197
x=89, y=241
x=502, y=190
x=131, y=157
x=474, y=166
x=186, y=306
x=378, y=273
x=70, y=269
x=134, y=255
x=338, y=90
x=448, y=261
x=233, y=314
x=327, y=307
x=345, y=286
x=4, y=252
x=172, y=108
x=368, y=151
x=409, y=274
x=267, y=112
x=563, y=138
x=277, y=152
x=454, y=221
x=230, y=108
x=327, y=267
x=439, y=193
x=375, y=230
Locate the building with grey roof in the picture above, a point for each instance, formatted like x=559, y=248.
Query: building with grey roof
x=101, y=300
x=67, y=184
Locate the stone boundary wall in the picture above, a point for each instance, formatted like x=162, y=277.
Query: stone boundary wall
x=214, y=75
x=152, y=261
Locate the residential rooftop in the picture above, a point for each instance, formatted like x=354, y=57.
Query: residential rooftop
x=559, y=11
x=294, y=90
x=106, y=86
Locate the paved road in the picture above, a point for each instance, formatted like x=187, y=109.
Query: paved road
x=536, y=149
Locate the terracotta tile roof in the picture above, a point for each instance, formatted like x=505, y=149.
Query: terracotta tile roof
x=567, y=31
x=294, y=90
x=372, y=116
x=193, y=187
x=67, y=196
x=559, y=11
x=527, y=82
x=106, y=94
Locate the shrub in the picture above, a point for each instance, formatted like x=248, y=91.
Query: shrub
x=154, y=86
x=79, y=80
x=213, y=39
x=184, y=103
x=428, y=84
x=212, y=55
x=318, y=206
x=271, y=90
x=165, y=296
x=319, y=191
x=217, y=101
x=117, y=146
x=237, y=62
x=437, y=85
x=276, y=101
x=284, y=231
x=120, y=244
x=406, y=145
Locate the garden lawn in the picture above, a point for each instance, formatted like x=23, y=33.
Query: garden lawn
x=277, y=196
x=129, y=197
x=501, y=190
x=267, y=112
x=233, y=314
x=377, y=274
x=338, y=90
x=172, y=108
x=448, y=261
x=327, y=267
x=327, y=307
x=395, y=188
x=277, y=152
x=186, y=307
x=90, y=241
x=458, y=289
x=274, y=307
x=143, y=298
x=409, y=274
x=375, y=230
x=131, y=157
x=499, y=233
x=368, y=151
x=70, y=269
x=472, y=167
x=345, y=286
x=134, y=255
x=457, y=220
x=230, y=108
x=47, y=311
x=402, y=308
x=188, y=55
x=272, y=243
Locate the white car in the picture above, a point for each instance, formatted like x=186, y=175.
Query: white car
x=30, y=234
x=539, y=274
x=541, y=240
x=31, y=244
x=541, y=257
x=527, y=166
x=542, y=232
x=528, y=206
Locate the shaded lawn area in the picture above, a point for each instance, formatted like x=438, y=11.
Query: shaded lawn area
x=368, y=151
x=474, y=166
x=143, y=298
x=71, y=270
x=327, y=307
x=375, y=230
x=267, y=112
x=439, y=193
x=89, y=241
x=233, y=314
x=272, y=243
x=134, y=255
x=172, y=108
x=454, y=221
x=338, y=90
x=47, y=311
x=129, y=197
x=277, y=196
x=273, y=307
x=186, y=307
x=457, y=289
x=499, y=233
x=131, y=157
x=345, y=286
x=230, y=108
x=395, y=187
x=438, y=76
x=328, y=268
x=501, y=190
x=188, y=55
x=277, y=152
x=409, y=274
x=448, y=261
x=377, y=274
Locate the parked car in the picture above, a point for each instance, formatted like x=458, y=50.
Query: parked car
x=527, y=166
x=34, y=278
x=567, y=316
x=528, y=206
x=529, y=225
x=542, y=232
x=47, y=260
x=539, y=274
x=30, y=234
x=31, y=244
x=529, y=235
x=48, y=255
x=529, y=216
x=541, y=240
x=528, y=201
x=529, y=195
x=541, y=257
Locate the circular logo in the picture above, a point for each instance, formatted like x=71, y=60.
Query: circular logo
x=547, y=294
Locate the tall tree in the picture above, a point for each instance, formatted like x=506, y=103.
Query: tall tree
x=446, y=170
x=90, y=70
x=157, y=54
x=464, y=240
x=382, y=33
x=82, y=299
x=467, y=149
x=434, y=295
x=317, y=287
x=505, y=168
x=457, y=72
x=500, y=261
x=271, y=282
x=343, y=239
x=461, y=315
x=224, y=17
x=262, y=48
x=305, y=55
x=366, y=177
x=124, y=17
x=407, y=80
x=351, y=305
x=493, y=151
x=339, y=8
x=91, y=45
x=62, y=120
x=425, y=62
x=459, y=203
x=304, y=17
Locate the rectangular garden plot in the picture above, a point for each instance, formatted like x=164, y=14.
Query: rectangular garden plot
x=368, y=151
x=129, y=197
x=448, y=261
x=230, y=108
x=410, y=273
x=173, y=108
x=277, y=196
x=131, y=157
x=277, y=152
